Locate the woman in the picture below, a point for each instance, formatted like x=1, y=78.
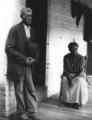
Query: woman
x=73, y=85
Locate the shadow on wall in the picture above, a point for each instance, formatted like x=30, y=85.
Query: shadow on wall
x=77, y=11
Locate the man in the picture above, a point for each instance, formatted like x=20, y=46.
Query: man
x=22, y=54
x=73, y=85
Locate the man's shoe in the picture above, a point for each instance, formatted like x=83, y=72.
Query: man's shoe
x=33, y=116
x=23, y=116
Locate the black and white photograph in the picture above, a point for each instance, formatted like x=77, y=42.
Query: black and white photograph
x=46, y=60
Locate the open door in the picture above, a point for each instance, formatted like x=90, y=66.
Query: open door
x=39, y=8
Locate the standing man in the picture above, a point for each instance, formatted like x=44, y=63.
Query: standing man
x=22, y=54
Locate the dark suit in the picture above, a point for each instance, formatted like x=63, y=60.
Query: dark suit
x=17, y=49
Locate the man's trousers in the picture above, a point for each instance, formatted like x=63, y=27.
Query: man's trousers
x=25, y=93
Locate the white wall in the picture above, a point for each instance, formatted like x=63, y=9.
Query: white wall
x=61, y=30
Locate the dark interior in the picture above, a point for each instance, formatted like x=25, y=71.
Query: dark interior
x=39, y=8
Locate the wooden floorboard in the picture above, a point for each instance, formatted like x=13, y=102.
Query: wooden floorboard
x=49, y=110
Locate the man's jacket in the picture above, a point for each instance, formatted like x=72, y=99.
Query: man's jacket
x=18, y=47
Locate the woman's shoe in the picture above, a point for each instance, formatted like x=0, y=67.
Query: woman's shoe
x=76, y=105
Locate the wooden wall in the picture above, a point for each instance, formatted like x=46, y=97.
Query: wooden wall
x=61, y=30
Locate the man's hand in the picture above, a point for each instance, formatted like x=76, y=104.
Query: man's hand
x=30, y=60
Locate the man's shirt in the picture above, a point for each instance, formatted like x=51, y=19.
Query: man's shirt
x=27, y=31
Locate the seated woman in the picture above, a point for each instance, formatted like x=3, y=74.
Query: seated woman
x=74, y=90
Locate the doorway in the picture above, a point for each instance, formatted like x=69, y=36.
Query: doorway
x=39, y=8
